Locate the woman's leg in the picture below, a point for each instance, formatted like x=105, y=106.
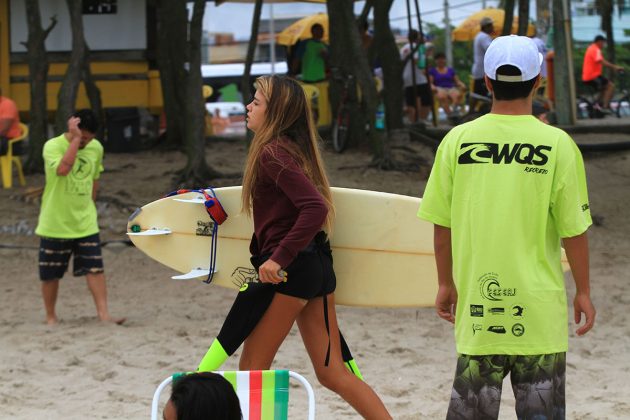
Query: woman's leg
x=263, y=343
x=335, y=376
x=443, y=99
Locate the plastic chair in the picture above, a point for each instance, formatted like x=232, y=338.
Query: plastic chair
x=263, y=394
x=7, y=160
x=312, y=94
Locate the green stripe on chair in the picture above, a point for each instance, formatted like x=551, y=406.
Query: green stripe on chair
x=268, y=391
x=281, y=408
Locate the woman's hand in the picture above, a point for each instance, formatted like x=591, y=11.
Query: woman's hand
x=271, y=272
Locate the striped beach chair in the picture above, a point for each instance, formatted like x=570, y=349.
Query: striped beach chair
x=263, y=394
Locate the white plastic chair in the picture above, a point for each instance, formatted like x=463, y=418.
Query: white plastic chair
x=261, y=393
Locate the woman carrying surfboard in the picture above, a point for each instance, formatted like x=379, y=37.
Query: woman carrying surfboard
x=286, y=190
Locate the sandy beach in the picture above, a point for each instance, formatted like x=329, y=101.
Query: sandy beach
x=83, y=369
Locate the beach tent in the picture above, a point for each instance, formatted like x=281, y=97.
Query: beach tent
x=301, y=29
x=467, y=30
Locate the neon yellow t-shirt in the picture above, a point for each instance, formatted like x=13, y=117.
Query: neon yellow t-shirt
x=509, y=187
x=68, y=210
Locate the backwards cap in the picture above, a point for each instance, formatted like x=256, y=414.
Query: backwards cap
x=513, y=50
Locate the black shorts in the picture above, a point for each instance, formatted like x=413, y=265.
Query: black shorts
x=423, y=91
x=54, y=256
x=597, y=83
x=479, y=87
x=311, y=274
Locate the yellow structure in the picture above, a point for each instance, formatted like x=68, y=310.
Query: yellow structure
x=123, y=83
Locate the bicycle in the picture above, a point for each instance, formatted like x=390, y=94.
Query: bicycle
x=340, y=129
x=621, y=102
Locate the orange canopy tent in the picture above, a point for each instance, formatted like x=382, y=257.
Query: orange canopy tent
x=467, y=30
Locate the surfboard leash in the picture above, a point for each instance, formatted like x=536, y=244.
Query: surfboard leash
x=218, y=215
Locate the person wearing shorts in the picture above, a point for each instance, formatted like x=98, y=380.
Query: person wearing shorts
x=287, y=194
x=416, y=69
x=68, y=224
x=504, y=192
x=446, y=85
x=592, y=67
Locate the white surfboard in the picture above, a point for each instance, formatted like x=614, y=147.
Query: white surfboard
x=383, y=254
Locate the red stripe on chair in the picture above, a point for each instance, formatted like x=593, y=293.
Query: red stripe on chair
x=255, y=395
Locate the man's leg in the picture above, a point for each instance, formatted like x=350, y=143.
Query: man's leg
x=49, y=293
x=54, y=255
x=539, y=382
x=607, y=94
x=88, y=261
x=477, y=387
x=98, y=288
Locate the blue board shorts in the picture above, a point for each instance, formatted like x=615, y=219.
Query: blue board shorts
x=54, y=257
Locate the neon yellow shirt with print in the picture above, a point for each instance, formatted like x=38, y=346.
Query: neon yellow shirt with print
x=68, y=210
x=509, y=187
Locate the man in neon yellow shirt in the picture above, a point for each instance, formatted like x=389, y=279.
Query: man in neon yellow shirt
x=313, y=55
x=68, y=220
x=504, y=192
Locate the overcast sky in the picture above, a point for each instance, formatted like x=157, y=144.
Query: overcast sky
x=236, y=18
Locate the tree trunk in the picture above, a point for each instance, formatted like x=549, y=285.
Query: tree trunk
x=67, y=97
x=246, y=87
x=197, y=172
x=347, y=53
x=509, y=17
x=543, y=18
x=38, y=75
x=172, y=22
x=606, y=9
x=523, y=17
x=93, y=92
x=389, y=58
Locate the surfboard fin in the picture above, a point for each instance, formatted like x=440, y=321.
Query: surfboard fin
x=151, y=232
x=193, y=274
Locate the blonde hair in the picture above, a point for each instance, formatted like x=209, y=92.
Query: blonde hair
x=288, y=115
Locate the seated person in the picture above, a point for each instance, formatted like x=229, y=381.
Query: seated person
x=445, y=84
x=202, y=396
x=9, y=125
x=592, y=73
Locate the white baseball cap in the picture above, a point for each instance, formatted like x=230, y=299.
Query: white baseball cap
x=518, y=51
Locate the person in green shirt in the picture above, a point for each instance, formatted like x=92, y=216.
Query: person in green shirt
x=312, y=56
x=68, y=224
x=504, y=192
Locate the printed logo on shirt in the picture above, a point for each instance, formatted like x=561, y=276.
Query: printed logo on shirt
x=497, y=311
x=518, y=330
x=517, y=311
x=476, y=327
x=490, y=288
x=585, y=207
x=523, y=153
x=497, y=329
x=476, y=310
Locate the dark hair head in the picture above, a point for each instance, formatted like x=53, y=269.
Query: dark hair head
x=439, y=55
x=508, y=91
x=317, y=30
x=600, y=38
x=89, y=122
x=204, y=395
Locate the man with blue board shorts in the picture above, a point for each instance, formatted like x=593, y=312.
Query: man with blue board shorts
x=504, y=192
x=68, y=224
